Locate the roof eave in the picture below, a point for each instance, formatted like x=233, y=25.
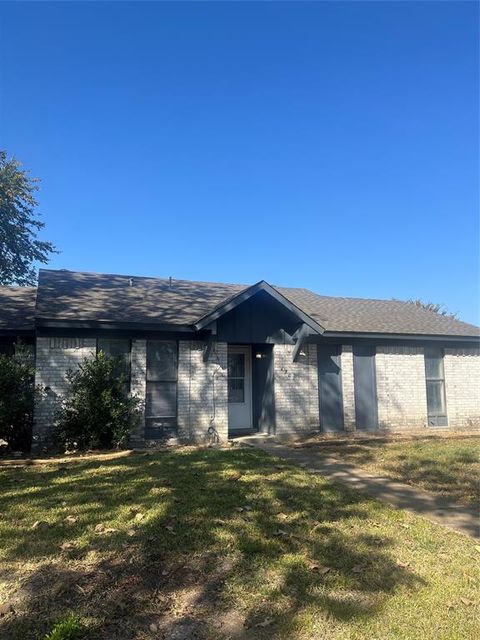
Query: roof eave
x=51, y=323
x=402, y=336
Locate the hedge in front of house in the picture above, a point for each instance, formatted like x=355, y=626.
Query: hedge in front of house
x=97, y=413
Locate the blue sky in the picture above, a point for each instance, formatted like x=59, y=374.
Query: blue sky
x=325, y=145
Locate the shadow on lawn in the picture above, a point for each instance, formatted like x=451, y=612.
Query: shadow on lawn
x=198, y=565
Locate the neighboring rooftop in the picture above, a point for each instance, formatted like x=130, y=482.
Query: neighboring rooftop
x=79, y=296
x=17, y=308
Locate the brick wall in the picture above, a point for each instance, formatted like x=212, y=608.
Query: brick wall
x=296, y=390
x=138, y=385
x=462, y=387
x=202, y=387
x=54, y=357
x=401, y=387
x=348, y=389
x=202, y=392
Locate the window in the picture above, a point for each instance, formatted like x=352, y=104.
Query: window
x=236, y=377
x=118, y=348
x=435, y=377
x=161, y=399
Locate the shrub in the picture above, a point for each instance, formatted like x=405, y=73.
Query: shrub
x=97, y=413
x=68, y=629
x=17, y=386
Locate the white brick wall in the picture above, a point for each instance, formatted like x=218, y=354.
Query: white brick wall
x=348, y=389
x=54, y=357
x=203, y=398
x=202, y=392
x=462, y=387
x=401, y=387
x=296, y=390
x=138, y=384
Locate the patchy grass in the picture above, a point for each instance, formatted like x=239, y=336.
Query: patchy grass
x=215, y=544
x=448, y=466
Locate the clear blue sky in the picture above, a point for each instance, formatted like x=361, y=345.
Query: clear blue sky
x=326, y=145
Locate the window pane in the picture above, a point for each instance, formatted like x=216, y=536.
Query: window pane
x=236, y=390
x=161, y=360
x=161, y=400
x=433, y=367
x=236, y=365
x=117, y=349
x=114, y=347
x=435, y=397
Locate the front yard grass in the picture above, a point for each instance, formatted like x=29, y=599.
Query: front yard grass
x=220, y=544
x=446, y=465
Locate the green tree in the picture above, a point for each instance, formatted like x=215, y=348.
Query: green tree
x=97, y=412
x=19, y=225
x=16, y=399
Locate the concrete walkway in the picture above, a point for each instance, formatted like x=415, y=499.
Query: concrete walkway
x=436, y=508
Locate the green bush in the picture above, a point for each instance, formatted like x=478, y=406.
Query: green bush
x=68, y=629
x=17, y=387
x=97, y=412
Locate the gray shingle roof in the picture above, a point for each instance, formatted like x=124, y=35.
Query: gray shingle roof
x=69, y=295
x=17, y=306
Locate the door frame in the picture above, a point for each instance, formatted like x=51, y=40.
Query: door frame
x=247, y=350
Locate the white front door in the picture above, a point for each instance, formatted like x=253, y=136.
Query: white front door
x=239, y=388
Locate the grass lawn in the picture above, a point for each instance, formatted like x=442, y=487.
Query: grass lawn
x=450, y=466
x=223, y=544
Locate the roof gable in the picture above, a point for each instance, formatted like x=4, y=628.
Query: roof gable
x=247, y=293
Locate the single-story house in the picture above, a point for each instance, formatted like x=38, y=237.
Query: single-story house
x=211, y=360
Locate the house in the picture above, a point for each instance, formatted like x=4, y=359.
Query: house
x=210, y=360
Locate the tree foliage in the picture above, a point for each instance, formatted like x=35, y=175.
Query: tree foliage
x=97, y=412
x=19, y=225
x=16, y=399
x=433, y=306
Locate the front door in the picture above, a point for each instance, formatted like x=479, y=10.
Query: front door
x=239, y=389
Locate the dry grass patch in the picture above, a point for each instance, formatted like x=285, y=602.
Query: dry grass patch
x=449, y=466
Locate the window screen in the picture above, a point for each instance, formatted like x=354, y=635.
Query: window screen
x=120, y=349
x=161, y=400
x=435, y=378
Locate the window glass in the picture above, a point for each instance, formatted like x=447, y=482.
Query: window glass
x=236, y=365
x=434, y=373
x=433, y=365
x=161, y=397
x=236, y=390
x=435, y=397
x=161, y=360
x=161, y=400
x=117, y=348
